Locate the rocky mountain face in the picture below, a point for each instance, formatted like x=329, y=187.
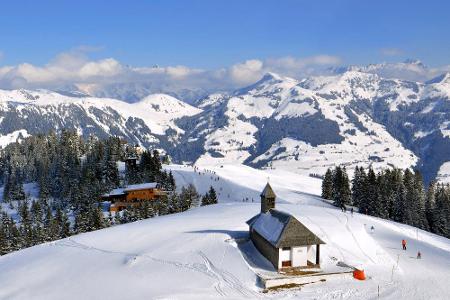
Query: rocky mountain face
x=350, y=118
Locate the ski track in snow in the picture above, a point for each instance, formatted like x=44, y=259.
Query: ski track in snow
x=352, y=234
x=225, y=280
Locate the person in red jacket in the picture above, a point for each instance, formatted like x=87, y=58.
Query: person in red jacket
x=404, y=244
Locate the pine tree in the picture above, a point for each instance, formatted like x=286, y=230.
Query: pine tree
x=97, y=220
x=3, y=241
x=341, y=187
x=111, y=177
x=327, y=185
x=174, y=202
x=163, y=207
x=400, y=199
x=371, y=204
x=143, y=211
x=420, y=219
x=386, y=195
x=189, y=197
x=157, y=163
x=410, y=195
x=26, y=228
x=430, y=204
x=172, y=185
x=205, y=200
x=212, y=195
x=441, y=215
x=357, y=186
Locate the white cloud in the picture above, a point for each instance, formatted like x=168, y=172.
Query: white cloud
x=391, y=51
x=109, y=77
x=299, y=67
x=74, y=68
x=246, y=72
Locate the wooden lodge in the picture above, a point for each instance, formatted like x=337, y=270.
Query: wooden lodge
x=133, y=195
x=281, y=238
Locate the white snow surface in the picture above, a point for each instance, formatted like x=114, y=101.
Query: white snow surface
x=15, y=136
x=444, y=173
x=193, y=255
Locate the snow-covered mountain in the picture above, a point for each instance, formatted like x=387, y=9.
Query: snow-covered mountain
x=350, y=118
x=410, y=69
x=353, y=118
x=135, y=91
x=203, y=253
x=416, y=114
x=282, y=122
x=147, y=122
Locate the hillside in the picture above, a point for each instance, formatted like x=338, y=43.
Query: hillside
x=193, y=255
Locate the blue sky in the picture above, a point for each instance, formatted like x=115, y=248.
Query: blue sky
x=214, y=34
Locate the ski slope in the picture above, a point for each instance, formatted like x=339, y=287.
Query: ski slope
x=194, y=255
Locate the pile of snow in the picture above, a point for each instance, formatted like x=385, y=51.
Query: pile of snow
x=194, y=255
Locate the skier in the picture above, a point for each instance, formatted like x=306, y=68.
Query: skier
x=419, y=255
x=404, y=244
x=351, y=210
x=372, y=229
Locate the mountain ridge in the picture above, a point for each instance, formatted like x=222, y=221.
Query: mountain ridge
x=349, y=118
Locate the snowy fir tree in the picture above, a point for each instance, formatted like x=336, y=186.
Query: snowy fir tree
x=210, y=197
x=396, y=195
x=327, y=185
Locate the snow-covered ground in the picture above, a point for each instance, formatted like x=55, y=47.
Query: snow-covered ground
x=192, y=255
x=444, y=173
x=15, y=136
x=238, y=182
x=30, y=189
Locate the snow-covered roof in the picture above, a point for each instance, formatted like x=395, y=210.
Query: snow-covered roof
x=268, y=227
x=115, y=192
x=133, y=187
x=282, y=229
x=142, y=186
